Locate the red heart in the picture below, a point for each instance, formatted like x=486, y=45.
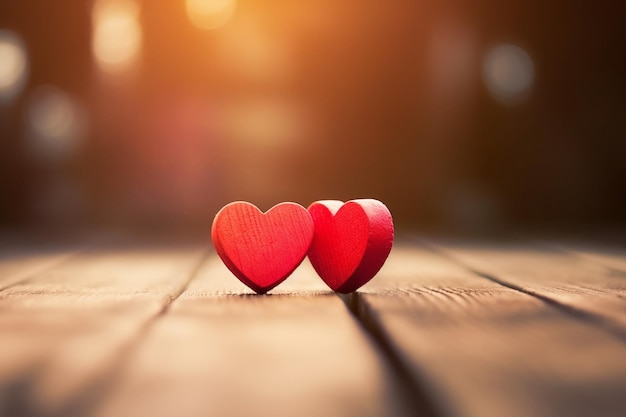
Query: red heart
x=351, y=241
x=262, y=249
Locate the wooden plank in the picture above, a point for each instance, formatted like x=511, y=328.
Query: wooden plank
x=19, y=259
x=610, y=256
x=222, y=350
x=65, y=329
x=480, y=349
x=585, y=289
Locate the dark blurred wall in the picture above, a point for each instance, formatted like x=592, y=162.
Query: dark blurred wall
x=323, y=99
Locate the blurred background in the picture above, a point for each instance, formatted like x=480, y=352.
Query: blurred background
x=466, y=116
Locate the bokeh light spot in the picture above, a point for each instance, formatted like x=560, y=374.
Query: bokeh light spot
x=508, y=73
x=210, y=14
x=13, y=64
x=248, y=50
x=264, y=124
x=54, y=122
x=116, y=39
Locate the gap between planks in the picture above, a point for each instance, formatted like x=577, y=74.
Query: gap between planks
x=23, y=274
x=612, y=328
x=612, y=257
x=422, y=403
x=97, y=388
x=480, y=348
x=591, y=307
x=315, y=354
x=119, y=291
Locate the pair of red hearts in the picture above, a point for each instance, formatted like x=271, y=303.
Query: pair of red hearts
x=347, y=244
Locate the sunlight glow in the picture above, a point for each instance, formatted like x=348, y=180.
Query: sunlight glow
x=13, y=64
x=508, y=73
x=248, y=50
x=116, y=39
x=263, y=124
x=210, y=14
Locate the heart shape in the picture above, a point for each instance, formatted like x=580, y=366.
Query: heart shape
x=351, y=241
x=262, y=249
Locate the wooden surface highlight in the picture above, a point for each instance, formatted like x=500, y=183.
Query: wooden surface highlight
x=66, y=326
x=583, y=288
x=482, y=349
x=222, y=350
x=609, y=256
x=472, y=329
x=21, y=260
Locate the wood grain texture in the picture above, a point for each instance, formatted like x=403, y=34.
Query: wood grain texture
x=120, y=330
x=20, y=259
x=262, y=249
x=583, y=288
x=222, y=350
x=65, y=329
x=480, y=349
x=611, y=256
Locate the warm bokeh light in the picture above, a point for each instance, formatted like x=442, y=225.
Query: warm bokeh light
x=210, y=14
x=264, y=125
x=508, y=72
x=13, y=64
x=445, y=112
x=116, y=40
x=54, y=122
x=248, y=50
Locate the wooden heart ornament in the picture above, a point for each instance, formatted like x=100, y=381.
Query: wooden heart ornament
x=262, y=249
x=351, y=241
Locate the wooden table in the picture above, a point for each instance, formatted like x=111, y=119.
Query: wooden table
x=153, y=327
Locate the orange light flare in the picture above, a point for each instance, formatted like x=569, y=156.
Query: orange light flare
x=261, y=139
x=248, y=50
x=210, y=14
x=117, y=37
x=13, y=65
